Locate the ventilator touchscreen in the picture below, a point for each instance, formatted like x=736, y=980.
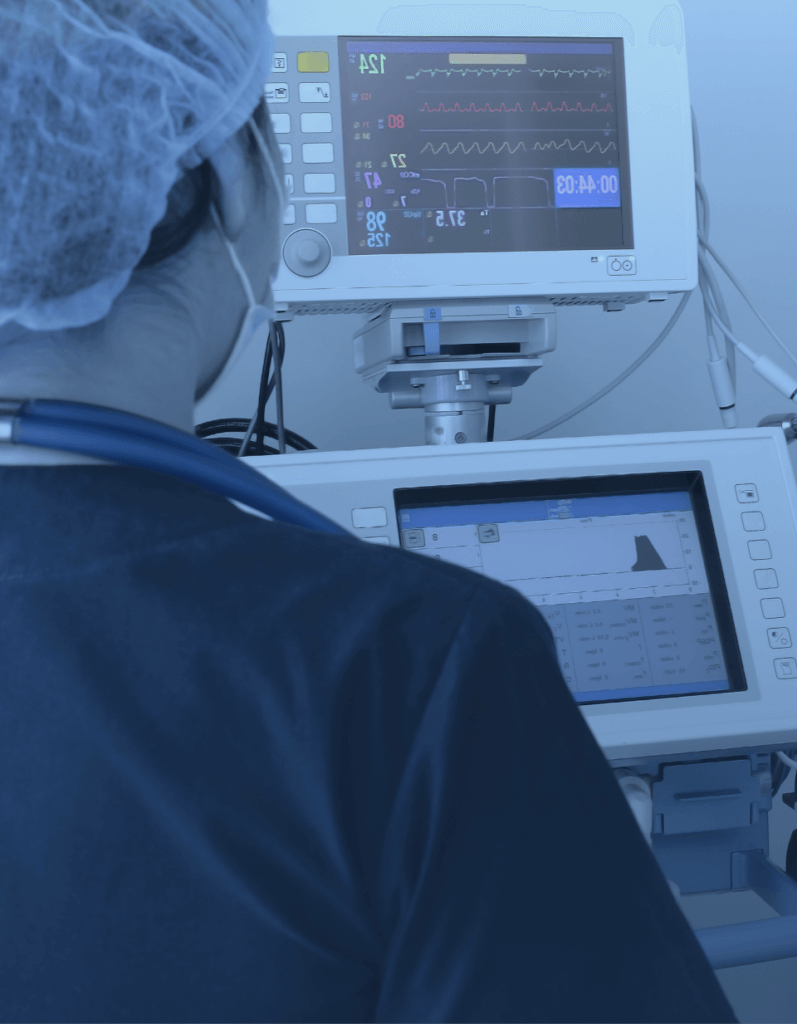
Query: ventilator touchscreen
x=628, y=577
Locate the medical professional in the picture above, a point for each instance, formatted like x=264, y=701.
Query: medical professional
x=249, y=771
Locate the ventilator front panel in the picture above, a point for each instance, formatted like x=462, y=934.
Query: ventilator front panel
x=664, y=564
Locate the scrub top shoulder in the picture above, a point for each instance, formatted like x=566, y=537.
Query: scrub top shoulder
x=254, y=772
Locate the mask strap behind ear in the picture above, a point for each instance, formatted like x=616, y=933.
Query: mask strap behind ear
x=244, y=277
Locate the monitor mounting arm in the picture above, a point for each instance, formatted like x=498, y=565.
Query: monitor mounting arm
x=455, y=358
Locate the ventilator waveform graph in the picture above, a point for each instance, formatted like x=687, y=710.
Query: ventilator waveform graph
x=517, y=109
x=520, y=145
x=555, y=72
x=615, y=557
x=648, y=558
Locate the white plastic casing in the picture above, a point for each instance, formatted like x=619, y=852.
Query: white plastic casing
x=660, y=148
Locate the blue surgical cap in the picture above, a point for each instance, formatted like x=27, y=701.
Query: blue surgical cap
x=103, y=105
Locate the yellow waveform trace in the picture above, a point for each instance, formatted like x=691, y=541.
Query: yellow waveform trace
x=520, y=145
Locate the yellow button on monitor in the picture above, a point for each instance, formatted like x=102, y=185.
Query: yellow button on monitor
x=311, y=62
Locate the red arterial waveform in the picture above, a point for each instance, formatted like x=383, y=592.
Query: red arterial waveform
x=517, y=109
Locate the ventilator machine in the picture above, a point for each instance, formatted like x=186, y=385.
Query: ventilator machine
x=458, y=174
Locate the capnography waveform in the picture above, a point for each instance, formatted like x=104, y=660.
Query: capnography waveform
x=517, y=109
x=537, y=145
x=600, y=72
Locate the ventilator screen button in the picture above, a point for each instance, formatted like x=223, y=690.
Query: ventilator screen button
x=365, y=517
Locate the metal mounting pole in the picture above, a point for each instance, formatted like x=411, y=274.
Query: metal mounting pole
x=454, y=360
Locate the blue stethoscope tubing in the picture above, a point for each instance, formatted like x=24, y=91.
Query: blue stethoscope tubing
x=132, y=440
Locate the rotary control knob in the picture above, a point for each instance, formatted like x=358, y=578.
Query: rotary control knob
x=306, y=252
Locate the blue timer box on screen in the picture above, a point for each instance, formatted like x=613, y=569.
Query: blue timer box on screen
x=499, y=145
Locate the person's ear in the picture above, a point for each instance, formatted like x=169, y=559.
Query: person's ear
x=229, y=187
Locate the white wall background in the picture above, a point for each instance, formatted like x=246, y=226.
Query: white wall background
x=742, y=71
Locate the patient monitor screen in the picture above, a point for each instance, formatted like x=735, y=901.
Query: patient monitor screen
x=625, y=569
x=485, y=145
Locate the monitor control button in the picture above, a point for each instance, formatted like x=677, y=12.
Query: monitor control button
x=621, y=266
x=306, y=252
x=779, y=636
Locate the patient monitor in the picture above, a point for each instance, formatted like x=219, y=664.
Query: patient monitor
x=458, y=172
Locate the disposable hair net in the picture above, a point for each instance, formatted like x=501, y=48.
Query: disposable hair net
x=103, y=104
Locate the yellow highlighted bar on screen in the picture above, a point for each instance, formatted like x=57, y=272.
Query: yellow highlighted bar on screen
x=487, y=58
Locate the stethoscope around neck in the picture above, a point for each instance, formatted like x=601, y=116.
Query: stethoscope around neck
x=122, y=437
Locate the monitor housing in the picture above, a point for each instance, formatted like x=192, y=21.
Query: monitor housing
x=482, y=150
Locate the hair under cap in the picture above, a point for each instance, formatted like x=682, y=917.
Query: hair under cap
x=103, y=104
